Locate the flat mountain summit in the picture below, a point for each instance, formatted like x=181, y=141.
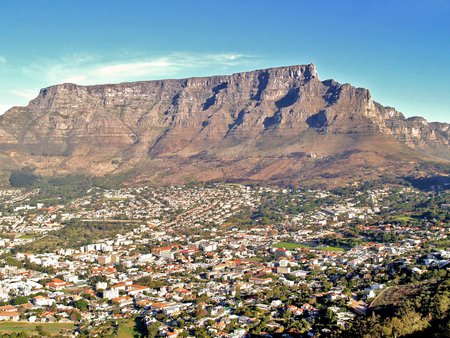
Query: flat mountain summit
x=279, y=124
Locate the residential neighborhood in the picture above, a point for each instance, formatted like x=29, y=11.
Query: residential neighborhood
x=210, y=261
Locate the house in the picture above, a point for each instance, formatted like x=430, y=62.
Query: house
x=123, y=301
x=119, y=286
x=26, y=307
x=260, y=280
x=9, y=315
x=8, y=308
x=57, y=284
x=282, y=252
x=144, y=303
x=295, y=310
x=299, y=273
x=159, y=306
x=208, y=247
x=101, y=286
x=283, y=269
x=166, y=252
x=110, y=294
x=135, y=289
x=107, y=259
x=42, y=301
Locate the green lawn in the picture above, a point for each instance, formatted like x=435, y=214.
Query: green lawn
x=126, y=329
x=330, y=248
x=442, y=244
x=291, y=246
x=31, y=328
x=27, y=236
x=405, y=218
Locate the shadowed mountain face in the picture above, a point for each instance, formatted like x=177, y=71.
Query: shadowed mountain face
x=280, y=124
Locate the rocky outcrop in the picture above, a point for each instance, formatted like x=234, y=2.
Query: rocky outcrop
x=6, y=138
x=236, y=126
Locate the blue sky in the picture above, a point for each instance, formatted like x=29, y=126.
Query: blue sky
x=400, y=50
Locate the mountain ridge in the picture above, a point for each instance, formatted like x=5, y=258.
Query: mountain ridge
x=270, y=124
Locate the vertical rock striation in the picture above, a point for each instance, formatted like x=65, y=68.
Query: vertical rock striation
x=216, y=122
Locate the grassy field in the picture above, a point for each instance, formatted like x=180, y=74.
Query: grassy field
x=291, y=246
x=31, y=328
x=405, y=218
x=442, y=244
x=27, y=236
x=127, y=329
x=330, y=248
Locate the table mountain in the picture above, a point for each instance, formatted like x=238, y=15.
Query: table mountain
x=280, y=124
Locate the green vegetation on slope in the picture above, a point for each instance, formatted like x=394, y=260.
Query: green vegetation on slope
x=415, y=310
x=77, y=233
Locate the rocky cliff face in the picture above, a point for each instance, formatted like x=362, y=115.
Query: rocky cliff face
x=273, y=123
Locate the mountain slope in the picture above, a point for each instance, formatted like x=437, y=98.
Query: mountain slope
x=279, y=124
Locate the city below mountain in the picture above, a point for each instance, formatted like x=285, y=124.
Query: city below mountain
x=280, y=125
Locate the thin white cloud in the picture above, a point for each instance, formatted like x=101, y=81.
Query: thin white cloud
x=2, y=60
x=14, y=97
x=24, y=93
x=87, y=70
x=133, y=68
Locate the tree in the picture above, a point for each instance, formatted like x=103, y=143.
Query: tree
x=153, y=329
x=442, y=305
x=200, y=312
x=201, y=333
x=75, y=316
x=81, y=304
x=181, y=323
x=183, y=334
x=330, y=317
x=19, y=300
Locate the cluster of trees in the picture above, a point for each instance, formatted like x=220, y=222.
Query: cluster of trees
x=76, y=233
x=23, y=178
x=62, y=190
x=274, y=206
x=150, y=282
x=57, y=190
x=338, y=242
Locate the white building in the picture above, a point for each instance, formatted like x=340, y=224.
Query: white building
x=110, y=294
